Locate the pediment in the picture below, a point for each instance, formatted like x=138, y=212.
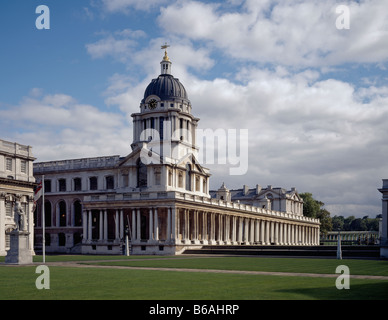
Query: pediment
x=195, y=166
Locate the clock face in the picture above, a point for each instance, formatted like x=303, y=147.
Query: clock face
x=152, y=104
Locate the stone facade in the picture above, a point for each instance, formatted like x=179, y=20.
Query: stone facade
x=16, y=192
x=384, y=222
x=159, y=193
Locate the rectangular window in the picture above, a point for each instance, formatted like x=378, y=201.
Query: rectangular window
x=8, y=208
x=161, y=127
x=157, y=177
x=77, y=184
x=23, y=166
x=125, y=180
x=47, y=186
x=93, y=183
x=110, y=182
x=8, y=164
x=62, y=185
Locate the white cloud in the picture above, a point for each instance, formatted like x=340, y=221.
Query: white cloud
x=120, y=45
x=295, y=33
x=58, y=127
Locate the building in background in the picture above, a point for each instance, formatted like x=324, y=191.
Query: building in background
x=16, y=191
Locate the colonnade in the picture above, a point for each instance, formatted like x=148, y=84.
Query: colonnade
x=177, y=225
x=203, y=227
x=87, y=224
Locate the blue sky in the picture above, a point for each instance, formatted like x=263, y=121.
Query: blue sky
x=313, y=97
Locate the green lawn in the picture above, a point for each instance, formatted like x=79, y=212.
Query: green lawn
x=359, y=267
x=94, y=283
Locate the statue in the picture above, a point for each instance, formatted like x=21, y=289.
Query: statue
x=20, y=218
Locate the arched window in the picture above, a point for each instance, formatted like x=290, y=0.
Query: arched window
x=141, y=174
x=62, y=213
x=188, y=177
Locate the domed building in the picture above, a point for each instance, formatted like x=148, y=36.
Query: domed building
x=158, y=196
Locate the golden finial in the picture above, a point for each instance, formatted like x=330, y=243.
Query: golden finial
x=165, y=46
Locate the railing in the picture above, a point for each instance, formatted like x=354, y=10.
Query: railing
x=75, y=164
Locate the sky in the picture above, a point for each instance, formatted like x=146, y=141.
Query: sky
x=307, y=79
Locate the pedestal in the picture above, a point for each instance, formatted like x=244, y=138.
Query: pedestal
x=19, y=252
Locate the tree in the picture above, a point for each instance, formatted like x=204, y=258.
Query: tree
x=347, y=223
x=325, y=219
x=313, y=208
x=337, y=223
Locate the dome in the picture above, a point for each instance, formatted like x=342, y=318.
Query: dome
x=166, y=87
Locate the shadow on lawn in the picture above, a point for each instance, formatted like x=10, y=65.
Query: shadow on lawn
x=367, y=291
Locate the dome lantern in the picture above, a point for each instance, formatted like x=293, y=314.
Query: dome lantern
x=165, y=64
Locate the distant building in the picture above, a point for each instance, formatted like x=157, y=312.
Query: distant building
x=278, y=199
x=16, y=191
x=159, y=193
x=384, y=222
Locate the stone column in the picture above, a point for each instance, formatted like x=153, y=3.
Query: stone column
x=3, y=252
x=173, y=225
x=281, y=233
x=267, y=238
x=252, y=231
x=156, y=224
x=117, y=222
x=276, y=233
x=257, y=227
x=240, y=230
x=151, y=226
x=84, y=225
x=168, y=224
x=101, y=231
x=122, y=224
x=134, y=235
x=138, y=226
x=262, y=231
x=90, y=226
x=234, y=229
x=105, y=224
x=272, y=238
x=204, y=228
x=289, y=234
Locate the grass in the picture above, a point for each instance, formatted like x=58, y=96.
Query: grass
x=296, y=265
x=119, y=284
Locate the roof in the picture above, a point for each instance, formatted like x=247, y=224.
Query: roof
x=166, y=87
